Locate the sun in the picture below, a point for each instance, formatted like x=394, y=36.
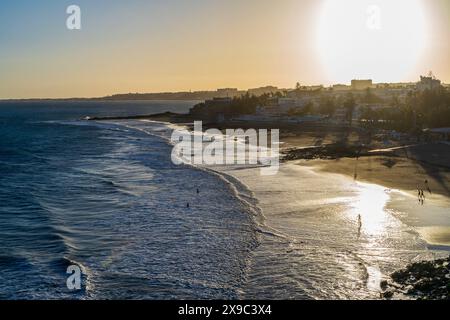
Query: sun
x=371, y=39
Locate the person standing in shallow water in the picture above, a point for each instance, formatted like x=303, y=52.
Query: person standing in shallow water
x=359, y=225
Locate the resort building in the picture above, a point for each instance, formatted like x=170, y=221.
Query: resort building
x=361, y=84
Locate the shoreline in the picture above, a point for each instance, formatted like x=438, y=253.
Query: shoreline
x=237, y=190
x=347, y=151
x=375, y=274
x=397, y=168
x=385, y=283
x=346, y=167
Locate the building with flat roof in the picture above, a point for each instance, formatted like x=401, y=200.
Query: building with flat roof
x=361, y=84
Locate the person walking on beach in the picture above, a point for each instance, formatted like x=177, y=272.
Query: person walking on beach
x=422, y=197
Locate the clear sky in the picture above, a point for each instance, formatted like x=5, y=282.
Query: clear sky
x=177, y=45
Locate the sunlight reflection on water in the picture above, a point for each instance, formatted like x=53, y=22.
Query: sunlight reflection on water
x=342, y=237
x=369, y=206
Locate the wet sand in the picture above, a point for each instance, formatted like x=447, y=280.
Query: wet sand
x=430, y=218
x=392, y=172
x=324, y=236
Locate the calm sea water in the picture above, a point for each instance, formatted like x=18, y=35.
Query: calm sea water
x=108, y=199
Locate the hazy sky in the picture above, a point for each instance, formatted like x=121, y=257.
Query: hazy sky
x=177, y=45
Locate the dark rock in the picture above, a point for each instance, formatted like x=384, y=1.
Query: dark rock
x=329, y=152
x=427, y=280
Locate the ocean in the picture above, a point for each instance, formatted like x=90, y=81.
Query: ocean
x=108, y=199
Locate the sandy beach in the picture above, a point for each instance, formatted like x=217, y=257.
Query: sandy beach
x=392, y=172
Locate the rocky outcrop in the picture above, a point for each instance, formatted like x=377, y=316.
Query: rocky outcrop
x=428, y=280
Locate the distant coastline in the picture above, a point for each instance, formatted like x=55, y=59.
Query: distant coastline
x=203, y=94
x=94, y=99
x=162, y=96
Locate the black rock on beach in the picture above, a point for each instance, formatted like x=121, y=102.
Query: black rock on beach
x=427, y=280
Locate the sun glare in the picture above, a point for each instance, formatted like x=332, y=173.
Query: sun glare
x=370, y=206
x=378, y=39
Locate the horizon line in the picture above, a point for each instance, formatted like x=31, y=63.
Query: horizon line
x=197, y=91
